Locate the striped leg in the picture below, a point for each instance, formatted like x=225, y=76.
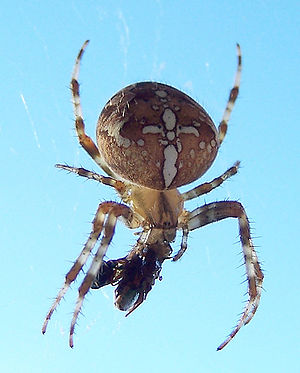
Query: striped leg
x=230, y=209
x=222, y=129
x=85, y=141
x=183, y=246
x=114, y=183
x=208, y=187
x=79, y=263
x=113, y=211
x=102, y=211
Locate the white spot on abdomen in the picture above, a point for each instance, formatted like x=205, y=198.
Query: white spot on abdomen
x=169, y=118
x=169, y=170
x=114, y=131
x=170, y=135
x=202, y=145
x=152, y=129
x=187, y=129
x=161, y=93
x=140, y=142
x=192, y=153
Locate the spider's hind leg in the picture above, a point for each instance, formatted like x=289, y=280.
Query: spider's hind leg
x=216, y=211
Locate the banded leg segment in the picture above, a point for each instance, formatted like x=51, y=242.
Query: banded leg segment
x=85, y=141
x=222, y=129
x=112, y=211
x=79, y=263
x=230, y=209
x=98, y=222
x=209, y=186
x=183, y=246
x=118, y=185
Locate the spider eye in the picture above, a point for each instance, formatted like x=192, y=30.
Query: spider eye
x=158, y=126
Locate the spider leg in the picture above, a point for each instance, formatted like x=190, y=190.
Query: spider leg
x=79, y=263
x=183, y=246
x=85, y=141
x=113, y=211
x=82, y=258
x=209, y=186
x=221, y=210
x=222, y=129
x=118, y=185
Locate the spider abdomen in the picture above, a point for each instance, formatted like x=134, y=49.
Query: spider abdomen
x=156, y=136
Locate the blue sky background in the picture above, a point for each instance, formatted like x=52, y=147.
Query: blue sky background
x=46, y=213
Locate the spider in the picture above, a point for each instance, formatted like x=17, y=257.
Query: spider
x=152, y=139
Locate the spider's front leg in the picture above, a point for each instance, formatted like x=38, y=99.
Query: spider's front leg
x=105, y=220
x=231, y=209
x=222, y=129
x=85, y=141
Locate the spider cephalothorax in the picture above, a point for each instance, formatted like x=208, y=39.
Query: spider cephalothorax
x=152, y=139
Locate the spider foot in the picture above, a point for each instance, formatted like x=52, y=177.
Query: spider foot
x=246, y=317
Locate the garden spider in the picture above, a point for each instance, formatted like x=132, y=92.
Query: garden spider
x=152, y=139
